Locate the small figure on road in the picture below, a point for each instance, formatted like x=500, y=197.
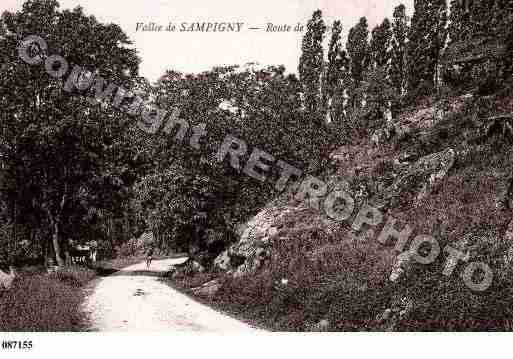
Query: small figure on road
x=94, y=250
x=149, y=257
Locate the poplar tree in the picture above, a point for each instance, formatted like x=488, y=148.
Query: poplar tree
x=311, y=63
x=336, y=74
x=426, y=37
x=458, y=28
x=358, y=50
x=398, y=55
x=378, y=86
x=480, y=17
x=380, y=45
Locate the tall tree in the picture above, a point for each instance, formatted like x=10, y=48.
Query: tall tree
x=358, y=50
x=68, y=153
x=481, y=17
x=399, y=38
x=336, y=75
x=379, y=89
x=503, y=18
x=311, y=63
x=427, y=38
x=459, y=26
x=258, y=105
x=380, y=45
x=477, y=18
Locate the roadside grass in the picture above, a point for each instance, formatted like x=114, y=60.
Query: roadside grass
x=45, y=302
x=186, y=282
x=467, y=201
x=345, y=287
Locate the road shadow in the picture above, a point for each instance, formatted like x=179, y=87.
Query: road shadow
x=106, y=272
x=142, y=273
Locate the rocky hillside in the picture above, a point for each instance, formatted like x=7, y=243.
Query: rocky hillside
x=444, y=170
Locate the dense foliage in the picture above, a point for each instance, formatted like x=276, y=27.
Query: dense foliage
x=72, y=169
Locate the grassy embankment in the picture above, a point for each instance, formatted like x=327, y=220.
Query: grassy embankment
x=38, y=301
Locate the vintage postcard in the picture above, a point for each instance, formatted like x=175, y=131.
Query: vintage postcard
x=251, y=167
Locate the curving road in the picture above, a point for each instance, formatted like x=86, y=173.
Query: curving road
x=134, y=299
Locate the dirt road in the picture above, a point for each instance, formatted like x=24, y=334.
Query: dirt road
x=134, y=299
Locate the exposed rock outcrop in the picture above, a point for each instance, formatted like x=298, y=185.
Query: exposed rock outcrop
x=250, y=252
x=425, y=174
x=222, y=262
x=254, y=247
x=382, y=136
x=505, y=198
x=426, y=118
x=188, y=267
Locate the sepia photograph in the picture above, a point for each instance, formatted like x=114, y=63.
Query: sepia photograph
x=337, y=169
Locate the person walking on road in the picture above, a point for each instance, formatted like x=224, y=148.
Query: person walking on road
x=94, y=250
x=149, y=257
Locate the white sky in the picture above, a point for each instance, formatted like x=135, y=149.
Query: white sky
x=194, y=52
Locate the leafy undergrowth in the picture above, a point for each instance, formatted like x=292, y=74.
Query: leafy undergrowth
x=45, y=302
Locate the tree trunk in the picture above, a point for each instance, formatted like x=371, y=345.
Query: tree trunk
x=55, y=220
x=509, y=195
x=56, y=244
x=45, y=252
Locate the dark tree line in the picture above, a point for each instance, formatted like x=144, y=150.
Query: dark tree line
x=68, y=165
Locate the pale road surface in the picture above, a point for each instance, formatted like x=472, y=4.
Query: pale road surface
x=134, y=299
